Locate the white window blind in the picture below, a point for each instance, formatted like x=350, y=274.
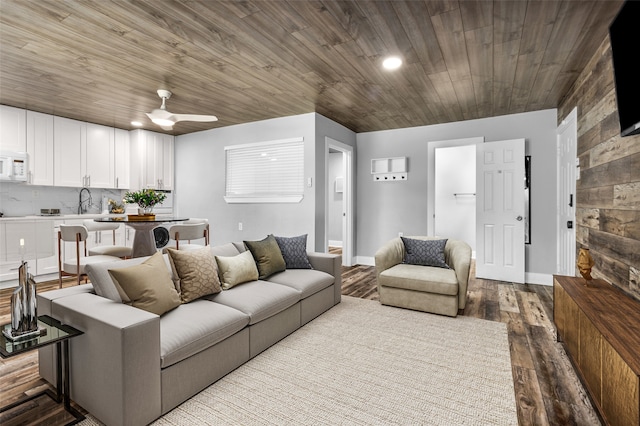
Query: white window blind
x=265, y=172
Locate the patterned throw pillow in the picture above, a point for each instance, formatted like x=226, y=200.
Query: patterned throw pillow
x=294, y=251
x=267, y=256
x=424, y=252
x=197, y=271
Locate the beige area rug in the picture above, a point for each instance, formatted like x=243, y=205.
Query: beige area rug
x=362, y=363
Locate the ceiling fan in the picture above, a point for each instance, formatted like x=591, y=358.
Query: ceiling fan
x=166, y=119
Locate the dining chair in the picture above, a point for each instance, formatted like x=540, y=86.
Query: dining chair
x=192, y=229
x=76, y=266
x=112, y=249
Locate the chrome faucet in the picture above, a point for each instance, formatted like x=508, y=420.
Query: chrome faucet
x=81, y=207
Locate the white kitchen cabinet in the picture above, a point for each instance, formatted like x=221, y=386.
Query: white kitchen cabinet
x=12, y=252
x=151, y=160
x=47, y=248
x=99, y=167
x=84, y=154
x=70, y=138
x=40, y=148
x=13, y=129
x=122, y=159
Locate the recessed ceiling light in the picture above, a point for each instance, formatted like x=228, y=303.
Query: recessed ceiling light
x=392, y=63
x=136, y=123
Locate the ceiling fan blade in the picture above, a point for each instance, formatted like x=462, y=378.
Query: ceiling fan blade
x=194, y=117
x=161, y=114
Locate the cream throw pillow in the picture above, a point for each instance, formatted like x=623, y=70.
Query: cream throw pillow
x=236, y=270
x=197, y=271
x=148, y=285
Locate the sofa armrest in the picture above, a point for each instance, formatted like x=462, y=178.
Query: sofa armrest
x=331, y=264
x=389, y=255
x=460, y=261
x=115, y=364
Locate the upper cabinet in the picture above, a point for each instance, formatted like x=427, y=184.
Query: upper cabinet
x=100, y=156
x=151, y=160
x=13, y=129
x=40, y=148
x=122, y=162
x=84, y=154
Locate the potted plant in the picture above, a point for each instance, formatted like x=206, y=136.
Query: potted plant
x=145, y=199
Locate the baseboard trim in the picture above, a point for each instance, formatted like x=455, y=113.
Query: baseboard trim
x=334, y=243
x=365, y=260
x=541, y=279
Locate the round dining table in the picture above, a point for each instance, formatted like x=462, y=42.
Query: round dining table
x=144, y=243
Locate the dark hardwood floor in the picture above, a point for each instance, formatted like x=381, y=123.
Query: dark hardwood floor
x=547, y=391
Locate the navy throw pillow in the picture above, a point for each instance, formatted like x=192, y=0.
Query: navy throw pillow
x=294, y=251
x=424, y=252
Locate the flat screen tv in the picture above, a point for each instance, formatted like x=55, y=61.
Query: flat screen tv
x=623, y=34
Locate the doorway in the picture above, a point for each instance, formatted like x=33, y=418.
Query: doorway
x=338, y=224
x=568, y=172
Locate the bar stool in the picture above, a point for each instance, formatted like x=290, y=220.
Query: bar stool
x=122, y=252
x=76, y=266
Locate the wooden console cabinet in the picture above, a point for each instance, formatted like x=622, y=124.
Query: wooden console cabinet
x=600, y=328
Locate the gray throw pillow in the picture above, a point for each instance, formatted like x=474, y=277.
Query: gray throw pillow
x=294, y=251
x=424, y=252
x=267, y=255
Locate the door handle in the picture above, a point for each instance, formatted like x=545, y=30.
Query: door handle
x=519, y=218
x=571, y=200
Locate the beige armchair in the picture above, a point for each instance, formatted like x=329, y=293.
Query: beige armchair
x=424, y=288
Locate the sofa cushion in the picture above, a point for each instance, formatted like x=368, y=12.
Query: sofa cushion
x=237, y=269
x=306, y=281
x=258, y=299
x=148, y=285
x=267, y=255
x=424, y=252
x=420, y=278
x=294, y=251
x=197, y=272
x=196, y=326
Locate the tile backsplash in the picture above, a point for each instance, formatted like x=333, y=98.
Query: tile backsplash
x=18, y=199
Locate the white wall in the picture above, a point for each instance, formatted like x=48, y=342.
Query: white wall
x=386, y=208
x=200, y=180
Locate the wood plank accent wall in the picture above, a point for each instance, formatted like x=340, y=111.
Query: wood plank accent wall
x=608, y=191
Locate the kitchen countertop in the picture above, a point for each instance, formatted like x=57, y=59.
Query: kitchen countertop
x=59, y=217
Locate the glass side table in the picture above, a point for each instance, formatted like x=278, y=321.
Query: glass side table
x=52, y=331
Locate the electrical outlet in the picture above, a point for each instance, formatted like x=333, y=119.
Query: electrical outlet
x=400, y=234
x=35, y=193
x=239, y=226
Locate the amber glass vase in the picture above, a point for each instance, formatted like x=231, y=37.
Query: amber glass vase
x=585, y=263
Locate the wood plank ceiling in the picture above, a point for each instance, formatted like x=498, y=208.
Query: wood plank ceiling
x=102, y=61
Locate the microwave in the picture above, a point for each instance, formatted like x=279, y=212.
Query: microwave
x=13, y=166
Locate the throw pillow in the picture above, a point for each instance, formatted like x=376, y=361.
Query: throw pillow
x=294, y=251
x=267, y=256
x=236, y=270
x=424, y=252
x=148, y=285
x=197, y=271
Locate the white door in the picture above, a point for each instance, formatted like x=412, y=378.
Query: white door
x=100, y=153
x=347, y=214
x=40, y=148
x=500, y=211
x=69, y=138
x=567, y=156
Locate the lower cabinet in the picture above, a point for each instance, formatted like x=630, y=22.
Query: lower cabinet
x=599, y=326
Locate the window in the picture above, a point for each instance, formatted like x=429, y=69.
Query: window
x=265, y=172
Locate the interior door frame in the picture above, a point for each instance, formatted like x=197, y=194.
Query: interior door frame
x=347, y=222
x=566, y=187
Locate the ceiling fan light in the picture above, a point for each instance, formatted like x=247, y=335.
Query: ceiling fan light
x=163, y=122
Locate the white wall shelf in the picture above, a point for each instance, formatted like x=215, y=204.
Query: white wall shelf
x=389, y=169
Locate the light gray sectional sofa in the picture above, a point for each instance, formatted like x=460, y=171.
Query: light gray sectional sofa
x=131, y=366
